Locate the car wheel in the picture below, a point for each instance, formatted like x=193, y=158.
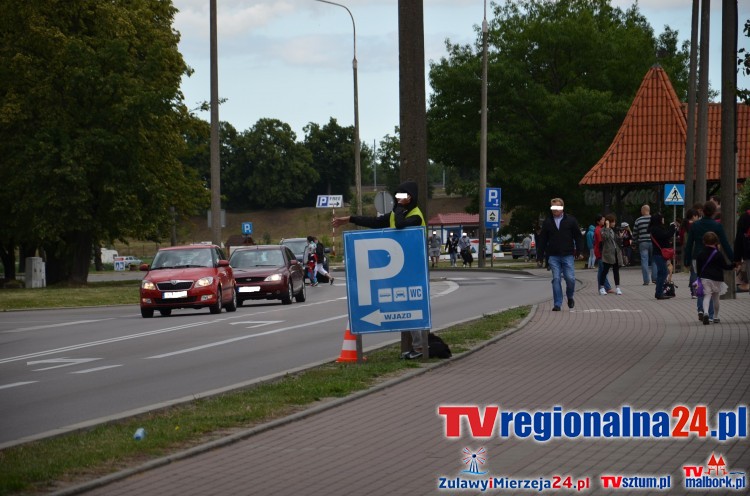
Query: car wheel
x=240, y=302
x=515, y=257
x=287, y=298
x=165, y=312
x=147, y=313
x=232, y=306
x=216, y=308
x=302, y=295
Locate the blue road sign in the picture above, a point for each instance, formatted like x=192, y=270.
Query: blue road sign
x=387, y=282
x=492, y=208
x=329, y=201
x=674, y=194
x=492, y=197
x=247, y=228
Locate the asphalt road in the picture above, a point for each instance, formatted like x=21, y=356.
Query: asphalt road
x=70, y=368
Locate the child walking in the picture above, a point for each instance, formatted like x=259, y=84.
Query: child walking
x=711, y=266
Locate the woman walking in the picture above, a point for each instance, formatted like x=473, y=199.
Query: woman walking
x=661, y=237
x=611, y=255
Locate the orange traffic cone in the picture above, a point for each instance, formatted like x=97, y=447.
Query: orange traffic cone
x=348, y=348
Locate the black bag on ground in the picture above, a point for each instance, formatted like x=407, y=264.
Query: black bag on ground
x=669, y=289
x=438, y=348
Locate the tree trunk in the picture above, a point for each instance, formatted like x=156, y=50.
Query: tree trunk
x=8, y=256
x=412, y=105
x=70, y=260
x=412, y=109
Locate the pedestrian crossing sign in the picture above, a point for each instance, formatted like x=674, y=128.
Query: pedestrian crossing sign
x=674, y=194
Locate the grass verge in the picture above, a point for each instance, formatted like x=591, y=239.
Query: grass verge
x=93, y=294
x=73, y=458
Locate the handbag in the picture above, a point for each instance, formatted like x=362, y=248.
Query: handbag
x=698, y=285
x=666, y=253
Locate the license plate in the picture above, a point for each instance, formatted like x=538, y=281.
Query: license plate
x=175, y=294
x=249, y=289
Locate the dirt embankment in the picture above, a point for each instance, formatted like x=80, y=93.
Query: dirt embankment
x=270, y=226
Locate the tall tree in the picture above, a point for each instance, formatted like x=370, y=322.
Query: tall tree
x=562, y=75
x=332, y=149
x=269, y=168
x=90, y=126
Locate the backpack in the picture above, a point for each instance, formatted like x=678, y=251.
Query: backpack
x=438, y=348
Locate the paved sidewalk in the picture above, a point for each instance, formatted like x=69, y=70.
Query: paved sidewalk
x=609, y=352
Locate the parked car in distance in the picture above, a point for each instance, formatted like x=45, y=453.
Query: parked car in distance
x=298, y=245
x=130, y=260
x=487, y=248
x=518, y=250
x=191, y=276
x=268, y=272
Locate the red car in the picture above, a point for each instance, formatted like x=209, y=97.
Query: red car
x=268, y=272
x=193, y=276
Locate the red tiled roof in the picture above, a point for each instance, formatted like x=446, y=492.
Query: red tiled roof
x=454, y=219
x=650, y=145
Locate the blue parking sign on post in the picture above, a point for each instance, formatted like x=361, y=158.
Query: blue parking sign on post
x=247, y=228
x=492, y=208
x=387, y=281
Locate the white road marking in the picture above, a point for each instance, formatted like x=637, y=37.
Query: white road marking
x=63, y=362
x=51, y=326
x=102, y=342
x=97, y=369
x=16, y=384
x=249, y=336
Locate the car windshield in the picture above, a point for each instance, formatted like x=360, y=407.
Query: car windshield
x=171, y=259
x=245, y=259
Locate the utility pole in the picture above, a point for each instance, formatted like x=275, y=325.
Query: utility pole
x=729, y=126
x=483, y=149
x=702, y=150
x=214, y=150
x=690, y=138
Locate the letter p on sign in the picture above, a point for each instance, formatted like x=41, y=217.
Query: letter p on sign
x=366, y=274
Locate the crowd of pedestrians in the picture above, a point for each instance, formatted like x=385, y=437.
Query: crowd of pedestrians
x=698, y=243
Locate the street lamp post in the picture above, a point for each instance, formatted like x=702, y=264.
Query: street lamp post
x=357, y=169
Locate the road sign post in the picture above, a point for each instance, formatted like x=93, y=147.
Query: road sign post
x=387, y=280
x=491, y=217
x=674, y=194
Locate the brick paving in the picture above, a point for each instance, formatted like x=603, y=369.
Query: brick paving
x=610, y=351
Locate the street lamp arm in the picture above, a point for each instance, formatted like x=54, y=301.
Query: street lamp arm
x=354, y=27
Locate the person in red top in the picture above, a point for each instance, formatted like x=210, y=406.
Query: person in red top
x=598, y=253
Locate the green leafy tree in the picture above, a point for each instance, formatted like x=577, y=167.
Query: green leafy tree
x=268, y=168
x=743, y=63
x=562, y=75
x=332, y=150
x=388, y=158
x=91, y=127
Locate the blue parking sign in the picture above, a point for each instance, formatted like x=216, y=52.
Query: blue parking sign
x=387, y=281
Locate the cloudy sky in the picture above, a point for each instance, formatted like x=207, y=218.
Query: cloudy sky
x=292, y=59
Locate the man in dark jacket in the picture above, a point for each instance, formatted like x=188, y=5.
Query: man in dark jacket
x=559, y=240
x=405, y=213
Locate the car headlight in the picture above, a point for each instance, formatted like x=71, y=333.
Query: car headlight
x=204, y=281
x=273, y=277
x=148, y=285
